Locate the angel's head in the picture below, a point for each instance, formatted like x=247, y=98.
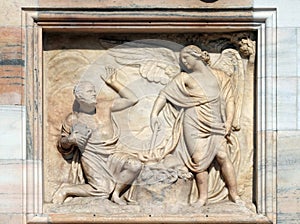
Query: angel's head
x=190, y=54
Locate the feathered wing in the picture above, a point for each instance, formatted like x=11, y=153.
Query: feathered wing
x=157, y=60
x=230, y=62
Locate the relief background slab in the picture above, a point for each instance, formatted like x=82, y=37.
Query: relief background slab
x=69, y=58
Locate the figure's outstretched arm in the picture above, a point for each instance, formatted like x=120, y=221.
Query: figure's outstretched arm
x=128, y=98
x=159, y=104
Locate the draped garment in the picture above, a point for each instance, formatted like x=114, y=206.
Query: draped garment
x=199, y=128
x=97, y=164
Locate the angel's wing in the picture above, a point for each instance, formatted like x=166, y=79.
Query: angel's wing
x=157, y=60
x=231, y=63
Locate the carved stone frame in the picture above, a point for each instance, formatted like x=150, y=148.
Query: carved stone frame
x=35, y=21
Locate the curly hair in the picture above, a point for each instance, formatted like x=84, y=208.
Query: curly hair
x=197, y=53
x=81, y=87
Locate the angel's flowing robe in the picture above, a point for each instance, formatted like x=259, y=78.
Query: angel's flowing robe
x=199, y=127
x=203, y=117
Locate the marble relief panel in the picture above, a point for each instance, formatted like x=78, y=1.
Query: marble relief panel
x=147, y=124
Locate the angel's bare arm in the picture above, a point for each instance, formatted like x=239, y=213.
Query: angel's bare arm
x=127, y=99
x=159, y=104
x=230, y=109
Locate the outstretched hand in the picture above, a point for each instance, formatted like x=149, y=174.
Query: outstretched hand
x=111, y=75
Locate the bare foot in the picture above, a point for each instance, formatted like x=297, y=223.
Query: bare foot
x=239, y=201
x=236, y=199
x=116, y=199
x=60, y=195
x=132, y=202
x=199, y=203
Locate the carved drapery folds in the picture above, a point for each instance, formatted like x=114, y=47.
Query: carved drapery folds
x=132, y=149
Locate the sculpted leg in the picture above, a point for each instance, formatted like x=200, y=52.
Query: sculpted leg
x=116, y=194
x=124, y=179
x=67, y=190
x=201, y=180
x=60, y=195
x=229, y=175
x=202, y=184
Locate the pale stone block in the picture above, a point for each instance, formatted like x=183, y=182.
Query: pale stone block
x=287, y=103
x=11, y=203
x=292, y=218
x=298, y=75
x=288, y=177
x=288, y=11
x=11, y=98
x=288, y=154
x=298, y=105
x=12, y=129
x=11, y=178
x=298, y=52
x=286, y=52
x=11, y=218
x=11, y=11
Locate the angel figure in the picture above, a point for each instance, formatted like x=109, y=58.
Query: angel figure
x=89, y=138
x=201, y=106
x=200, y=94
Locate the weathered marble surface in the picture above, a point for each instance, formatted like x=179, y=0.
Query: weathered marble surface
x=289, y=135
x=288, y=96
x=12, y=132
x=288, y=181
x=147, y=4
x=65, y=65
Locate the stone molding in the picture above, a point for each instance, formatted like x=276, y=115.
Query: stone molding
x=36, y=21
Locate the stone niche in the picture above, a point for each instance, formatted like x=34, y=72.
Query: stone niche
x=78, y=158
